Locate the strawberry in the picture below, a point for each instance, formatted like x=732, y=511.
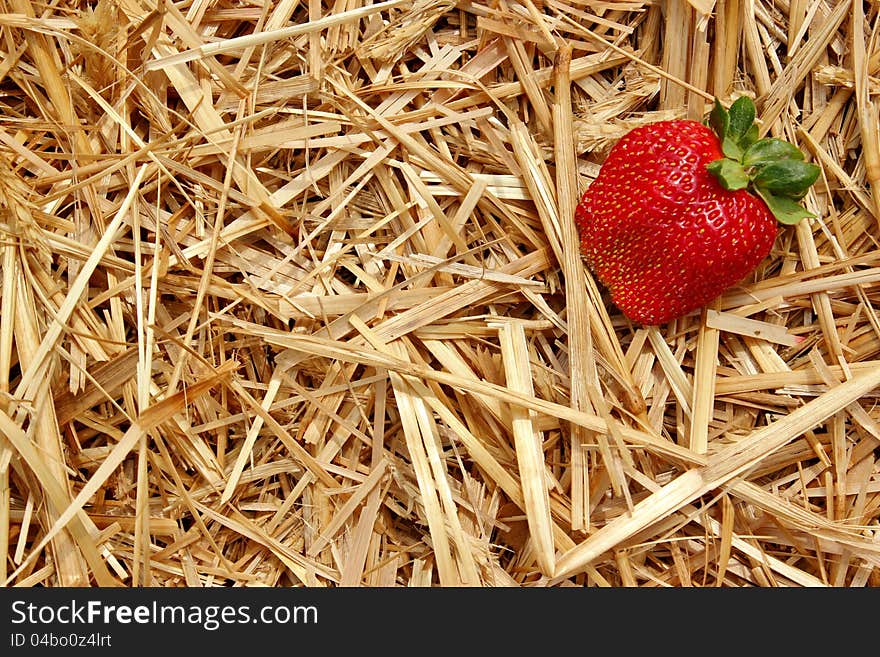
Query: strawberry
x=679, y=212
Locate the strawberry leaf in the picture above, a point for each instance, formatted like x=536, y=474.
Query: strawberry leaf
x=736, y=127
x=742, y=117
x=729, y=173
x=771, y=168
x=719, y=119
x=785, y=210
x=750, y=137
x=731, y=148
x=786, y=177
x=770, y=150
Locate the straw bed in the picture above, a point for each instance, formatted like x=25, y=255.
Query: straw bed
x=292, y=296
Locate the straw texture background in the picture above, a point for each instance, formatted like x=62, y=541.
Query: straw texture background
x=291, y=296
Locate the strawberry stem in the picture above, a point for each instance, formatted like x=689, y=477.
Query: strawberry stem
x=771, y=168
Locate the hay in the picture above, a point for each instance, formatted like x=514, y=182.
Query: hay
x=291, y=295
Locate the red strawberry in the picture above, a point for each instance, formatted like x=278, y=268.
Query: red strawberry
x=679, y=213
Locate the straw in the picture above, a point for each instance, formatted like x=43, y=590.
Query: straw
x=293, y=295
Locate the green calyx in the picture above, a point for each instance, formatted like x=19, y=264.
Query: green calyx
x=771, y=168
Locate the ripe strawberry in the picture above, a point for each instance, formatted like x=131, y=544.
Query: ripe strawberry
x=679, y=213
